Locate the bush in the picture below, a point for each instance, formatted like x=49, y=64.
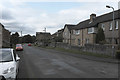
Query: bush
x=118, y=54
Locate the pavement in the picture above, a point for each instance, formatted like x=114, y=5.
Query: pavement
x=38, y=62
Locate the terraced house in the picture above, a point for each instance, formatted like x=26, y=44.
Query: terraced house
x=85, y=31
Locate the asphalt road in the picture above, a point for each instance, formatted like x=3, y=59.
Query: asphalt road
x=42, y=63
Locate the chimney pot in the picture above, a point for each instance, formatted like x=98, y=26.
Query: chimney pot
x=92, y=17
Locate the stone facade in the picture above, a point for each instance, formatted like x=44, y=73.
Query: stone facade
x=4, y=37
x=85, y=32
x=109, y=34
x=83, y=37
x=43, y=38
x=66, y=36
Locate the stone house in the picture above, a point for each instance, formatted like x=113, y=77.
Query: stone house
x=43, y=38
x=85, y=31
x=4, y=37
x=58, y=36
x=67, y=37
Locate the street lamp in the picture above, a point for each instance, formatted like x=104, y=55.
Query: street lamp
x=113, y=22
x=107, y=6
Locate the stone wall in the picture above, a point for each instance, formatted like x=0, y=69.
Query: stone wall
x=98, y=49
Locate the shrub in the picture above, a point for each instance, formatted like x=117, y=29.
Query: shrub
x=100, y=36
x=118, y=54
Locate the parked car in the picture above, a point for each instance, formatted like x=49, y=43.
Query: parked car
x=9, y=63
x=19, y=47
x=29, y=44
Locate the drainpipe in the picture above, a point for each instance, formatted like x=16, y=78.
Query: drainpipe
x=70, y=37
x=82, y=37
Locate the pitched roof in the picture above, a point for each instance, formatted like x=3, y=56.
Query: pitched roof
x=69, y=26
x=2, y=25
x=99, y=19
x=61, y=30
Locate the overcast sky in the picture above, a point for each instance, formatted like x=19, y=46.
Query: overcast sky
x=31, y=16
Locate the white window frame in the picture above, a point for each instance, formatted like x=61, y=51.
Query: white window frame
x=111, y=26
x=103, y=26
x=93, y=29
x=77, y=32
x=116, y=26
x=65, y=33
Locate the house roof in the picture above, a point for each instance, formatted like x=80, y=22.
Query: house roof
x=98, y=19
x=2, y=25
x=61, y=30
x=69, y=26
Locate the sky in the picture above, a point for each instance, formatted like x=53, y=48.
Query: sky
x=31, y=16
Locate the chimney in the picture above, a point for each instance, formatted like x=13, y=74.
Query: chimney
x=92, y=17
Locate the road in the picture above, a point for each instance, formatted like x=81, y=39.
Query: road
x=42, y=63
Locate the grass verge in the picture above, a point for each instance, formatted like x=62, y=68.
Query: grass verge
x=80, y=52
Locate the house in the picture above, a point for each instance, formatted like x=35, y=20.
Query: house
x=85, y=31
x=4, y=37
x=67, y=38
x=43, y=38
x=58, y=36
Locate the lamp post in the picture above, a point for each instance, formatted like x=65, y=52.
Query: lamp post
x=107, y=6
x=113, y=23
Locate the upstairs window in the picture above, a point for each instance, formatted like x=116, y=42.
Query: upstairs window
x=111, y=25
x=65, y=33
x=90, y=30
x=116, y=24
x=77, y=32
x=103, y=27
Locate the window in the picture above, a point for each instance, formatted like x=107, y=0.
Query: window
x=65, y=33
x=111, y=26
x=116, y=24
x=6, y=56
x=116, y=41
x=90, y=30
x=57, y=34
x=78, y=41
x=103, y=27
x=110, y=40
x=77, y=32
x=87, y=41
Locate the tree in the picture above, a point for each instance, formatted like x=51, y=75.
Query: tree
x=28, y=39
x=58, y=39
x=14, y=39
x=100, y=36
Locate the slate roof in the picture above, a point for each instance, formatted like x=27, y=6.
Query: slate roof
x=2, y=25
x=97, y=20
x=69, y=26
